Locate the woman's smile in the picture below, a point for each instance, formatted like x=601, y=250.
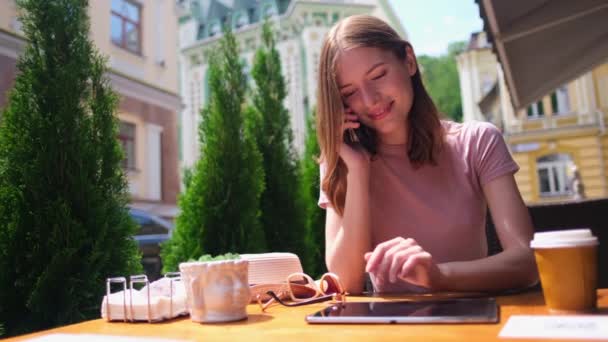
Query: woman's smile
x=381, y=113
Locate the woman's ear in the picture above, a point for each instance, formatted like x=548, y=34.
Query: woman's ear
x=410, y=60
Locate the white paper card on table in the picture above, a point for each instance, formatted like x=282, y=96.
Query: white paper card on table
x=96, y=338
x=578, y=327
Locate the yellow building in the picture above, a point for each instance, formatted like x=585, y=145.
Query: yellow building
x=140, y=40
x=559, y=142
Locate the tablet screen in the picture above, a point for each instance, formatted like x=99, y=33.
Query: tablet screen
x=466, y=310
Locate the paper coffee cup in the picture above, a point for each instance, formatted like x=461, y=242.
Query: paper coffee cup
x=567, y=265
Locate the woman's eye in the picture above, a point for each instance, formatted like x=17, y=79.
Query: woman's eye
x=379, y=75
x=347, y=95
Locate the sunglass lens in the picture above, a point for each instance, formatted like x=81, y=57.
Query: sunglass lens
x=303, y=292
x=301, y=288
x=330, y=285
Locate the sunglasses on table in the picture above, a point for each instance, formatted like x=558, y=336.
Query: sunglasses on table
x=303, y=290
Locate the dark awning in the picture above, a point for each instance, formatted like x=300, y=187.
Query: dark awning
x=542, y=44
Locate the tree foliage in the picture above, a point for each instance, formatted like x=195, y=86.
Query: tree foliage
x=65, y=225
x=282, y=210
x=220, y=205
x=440, y=77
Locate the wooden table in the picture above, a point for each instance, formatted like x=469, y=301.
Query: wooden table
x=287, y=324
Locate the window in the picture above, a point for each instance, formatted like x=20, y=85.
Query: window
x=536, y=110
x=552, y=173
x=240, y=20
x=126, y=25
x=320, y=18
x=126, y=136
x=335, y=17
x=215, y=28
x=560, y=101
x=268, y=10
x=200, y=34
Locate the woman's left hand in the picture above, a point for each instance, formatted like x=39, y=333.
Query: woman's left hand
x=402, y=259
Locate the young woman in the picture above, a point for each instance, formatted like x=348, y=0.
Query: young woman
x=405, y=192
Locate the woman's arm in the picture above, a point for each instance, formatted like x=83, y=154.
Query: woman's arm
x=512, y=268
x=403, y=259
x=347, y=238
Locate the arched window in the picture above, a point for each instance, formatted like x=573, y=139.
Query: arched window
x=553, y=174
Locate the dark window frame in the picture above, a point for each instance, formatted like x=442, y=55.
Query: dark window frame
x=555, y=167
x=123, y=20
x=128, y=164
x=540, y=110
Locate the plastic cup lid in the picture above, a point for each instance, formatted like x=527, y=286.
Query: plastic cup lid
x=564, y=238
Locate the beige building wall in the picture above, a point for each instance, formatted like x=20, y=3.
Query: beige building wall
x=157, y=64
x=584, y=148
x=478, y=73
x=8, y=15
x=147, y=83
x=600, y=78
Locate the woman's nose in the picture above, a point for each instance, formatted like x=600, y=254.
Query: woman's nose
x=369, y=95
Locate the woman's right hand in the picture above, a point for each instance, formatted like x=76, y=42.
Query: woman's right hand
x=354, y=156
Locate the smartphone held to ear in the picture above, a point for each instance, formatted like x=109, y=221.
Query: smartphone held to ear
x=350, y=136
x=361, y=137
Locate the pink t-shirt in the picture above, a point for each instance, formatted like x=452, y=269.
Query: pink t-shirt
x=442, y=207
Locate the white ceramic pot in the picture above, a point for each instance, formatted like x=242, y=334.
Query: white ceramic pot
x=216, y=291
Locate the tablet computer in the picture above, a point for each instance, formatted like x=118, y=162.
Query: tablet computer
x=464, y=310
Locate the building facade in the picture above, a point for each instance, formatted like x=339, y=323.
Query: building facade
x=300, y=26
x=559, y=142
x=140, y=40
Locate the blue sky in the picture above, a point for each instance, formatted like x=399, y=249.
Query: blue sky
x=432, y=24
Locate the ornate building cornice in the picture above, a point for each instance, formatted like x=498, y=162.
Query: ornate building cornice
x=298, y=16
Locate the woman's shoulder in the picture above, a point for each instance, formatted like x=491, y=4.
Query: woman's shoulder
x=470, y=130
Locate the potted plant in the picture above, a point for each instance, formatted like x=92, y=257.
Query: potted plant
x=217, y=288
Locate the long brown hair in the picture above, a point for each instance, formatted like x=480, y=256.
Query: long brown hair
x=425, y=133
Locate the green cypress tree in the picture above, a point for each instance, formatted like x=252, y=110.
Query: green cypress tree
x=220, y=206
x=315, y=216
x=65, y=225
x=282, y=209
